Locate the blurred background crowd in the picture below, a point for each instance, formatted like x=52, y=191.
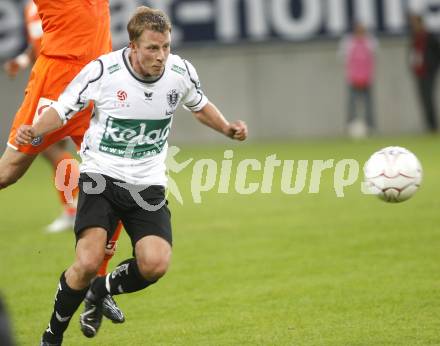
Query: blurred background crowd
x=290, y=68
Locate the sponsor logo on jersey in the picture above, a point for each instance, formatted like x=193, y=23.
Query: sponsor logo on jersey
x=148, y=95
x=173, y=98
x=113, y=68
x=178, y=69
x=121, y=95
x=135, y=138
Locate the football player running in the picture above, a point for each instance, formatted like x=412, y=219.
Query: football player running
x=135, y=91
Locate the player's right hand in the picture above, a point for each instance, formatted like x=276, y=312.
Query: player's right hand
x=25, y=134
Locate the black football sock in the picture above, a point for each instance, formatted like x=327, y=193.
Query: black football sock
x=67, y=301
x=126, y=278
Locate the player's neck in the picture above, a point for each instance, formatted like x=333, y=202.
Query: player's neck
x=132, y=66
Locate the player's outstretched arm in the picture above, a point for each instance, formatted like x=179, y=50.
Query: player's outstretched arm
x=211, y=116
x=13, y=66
x=49, y=121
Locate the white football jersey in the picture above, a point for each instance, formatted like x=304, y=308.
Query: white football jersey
x=127, y=137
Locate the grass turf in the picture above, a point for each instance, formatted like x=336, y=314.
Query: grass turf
x=258, y=269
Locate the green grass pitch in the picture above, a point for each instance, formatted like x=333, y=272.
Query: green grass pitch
x=257, y=269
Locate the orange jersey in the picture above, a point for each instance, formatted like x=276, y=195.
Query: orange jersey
x=34, y=27
x=77, y=30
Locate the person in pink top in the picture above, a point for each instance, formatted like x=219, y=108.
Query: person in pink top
x=358, y=50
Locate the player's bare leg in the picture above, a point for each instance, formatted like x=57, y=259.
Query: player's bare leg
x=74, y=283
x=90, y=251
x=153, y=255
x=13, y=165
x=55, y=154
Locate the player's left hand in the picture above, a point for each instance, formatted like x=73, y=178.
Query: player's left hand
x=11, y=67
x=25, y=135
x=237, y=130
x=110, y=247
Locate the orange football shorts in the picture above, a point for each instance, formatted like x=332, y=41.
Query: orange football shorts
x=49, y=77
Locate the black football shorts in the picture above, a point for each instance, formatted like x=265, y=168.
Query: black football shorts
x=103, y=201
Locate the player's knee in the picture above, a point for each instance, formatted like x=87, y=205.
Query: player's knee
x=154, y=267
x=89, y=265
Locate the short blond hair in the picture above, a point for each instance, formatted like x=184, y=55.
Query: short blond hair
x=146, y=18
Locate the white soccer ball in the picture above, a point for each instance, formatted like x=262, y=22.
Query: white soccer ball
x=393, y=174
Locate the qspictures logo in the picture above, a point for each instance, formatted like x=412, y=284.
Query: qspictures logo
x=245, y=177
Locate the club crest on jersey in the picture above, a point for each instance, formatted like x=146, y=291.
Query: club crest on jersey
x=148, y=95
x=173, y=98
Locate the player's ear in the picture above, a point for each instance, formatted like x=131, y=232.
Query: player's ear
x=132, y=44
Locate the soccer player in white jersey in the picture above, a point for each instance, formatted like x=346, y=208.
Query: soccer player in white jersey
x=135, y=91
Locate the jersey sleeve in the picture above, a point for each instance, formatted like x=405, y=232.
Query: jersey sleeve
x=82, y=89
x=194, y=99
